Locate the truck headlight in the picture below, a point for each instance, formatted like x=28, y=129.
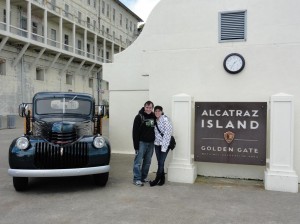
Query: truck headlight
x=22, y=143
x=98, y=142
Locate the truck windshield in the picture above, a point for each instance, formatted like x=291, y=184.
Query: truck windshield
x=63, y=106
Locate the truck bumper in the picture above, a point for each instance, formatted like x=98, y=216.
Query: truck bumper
x=59, y=172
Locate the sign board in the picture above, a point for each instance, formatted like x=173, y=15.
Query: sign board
x=231, y=132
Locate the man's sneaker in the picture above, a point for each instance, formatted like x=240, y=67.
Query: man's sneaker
x=146, y=180
x=138, y=183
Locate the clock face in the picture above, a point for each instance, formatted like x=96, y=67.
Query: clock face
x=234, y=63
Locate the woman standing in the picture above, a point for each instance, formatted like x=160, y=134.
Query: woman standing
x=163, y=132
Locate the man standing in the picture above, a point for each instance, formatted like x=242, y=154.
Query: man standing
x=143, y=141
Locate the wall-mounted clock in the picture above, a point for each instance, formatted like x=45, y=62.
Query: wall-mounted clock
x=234, y=63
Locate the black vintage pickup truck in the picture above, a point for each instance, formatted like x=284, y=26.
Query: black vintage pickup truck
x=62, y=137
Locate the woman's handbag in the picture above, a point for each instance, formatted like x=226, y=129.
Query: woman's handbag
x=172, y=143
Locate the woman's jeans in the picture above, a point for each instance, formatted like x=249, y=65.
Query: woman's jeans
x=161, y=158
x=142, y=161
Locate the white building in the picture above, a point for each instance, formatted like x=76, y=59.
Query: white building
x=186, y=55
x=49, y=45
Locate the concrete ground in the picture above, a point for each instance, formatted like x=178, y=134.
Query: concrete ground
x=77, y=200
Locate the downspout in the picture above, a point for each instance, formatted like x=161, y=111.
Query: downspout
x=22, y=60
x=99, y=81
x=22, y=78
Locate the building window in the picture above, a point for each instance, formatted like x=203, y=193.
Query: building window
x=24, y=23
x=79, y=17
x=24, y=26
x=99, y=53
x=103, y=7
x=69, y=79
x=53, y=37
x=130, y=26
x=121, y=19
x=79, y=46
x=2, y=66
x=88, y=49
x=135, y=28
x=107, y=55
x=4, y=15
x=34, y=30
x=114, y=14
x=66, y=10
x=232, y=26
x=40, y=74
x=53, y=4
x=107, y=10
x=66, y=42
x=89, y=2
x=103, y=29
x=91, y=82
x=88, y=21
x=126, y=23
x=94, y=24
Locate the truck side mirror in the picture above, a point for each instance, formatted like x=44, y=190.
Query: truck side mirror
x=100, y=110
x=23, y=110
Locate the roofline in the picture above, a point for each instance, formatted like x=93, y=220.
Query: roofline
x=128, y=10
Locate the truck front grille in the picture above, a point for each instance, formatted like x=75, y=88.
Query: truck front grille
x=63, y=138
x=48, y=156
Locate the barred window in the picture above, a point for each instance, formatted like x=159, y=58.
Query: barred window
x=69, y=78
x=91, y=82
x=40, y=74
x=2, y=66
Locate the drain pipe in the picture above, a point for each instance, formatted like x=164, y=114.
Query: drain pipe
x=99, y=81
x=23, y=82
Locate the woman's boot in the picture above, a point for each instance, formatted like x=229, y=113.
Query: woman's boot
x=155, y=182
x=162, y=180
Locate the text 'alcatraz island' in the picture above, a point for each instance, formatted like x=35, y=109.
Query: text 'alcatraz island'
x=234, y=124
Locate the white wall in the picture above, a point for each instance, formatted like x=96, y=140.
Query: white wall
x=180, y=52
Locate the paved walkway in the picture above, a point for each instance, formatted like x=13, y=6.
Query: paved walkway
x=75, y=200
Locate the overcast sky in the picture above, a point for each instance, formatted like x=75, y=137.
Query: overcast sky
x=142, y=8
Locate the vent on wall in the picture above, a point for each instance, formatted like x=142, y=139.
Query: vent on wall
x=232, y=26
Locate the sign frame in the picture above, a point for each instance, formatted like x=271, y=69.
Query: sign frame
x=231, y=132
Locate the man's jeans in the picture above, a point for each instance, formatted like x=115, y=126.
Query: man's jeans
x=142, y=161
x=161, y=158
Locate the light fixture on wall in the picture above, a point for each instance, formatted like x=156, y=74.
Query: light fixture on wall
x=145, y=75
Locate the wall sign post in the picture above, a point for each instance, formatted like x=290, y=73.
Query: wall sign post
x=280, y=174
x=231, y=132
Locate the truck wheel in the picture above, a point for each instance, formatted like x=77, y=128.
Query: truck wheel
x=20, y=183
x=101, y=179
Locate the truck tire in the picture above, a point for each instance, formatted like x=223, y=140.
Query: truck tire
x=20, y=183
x=101, y=179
